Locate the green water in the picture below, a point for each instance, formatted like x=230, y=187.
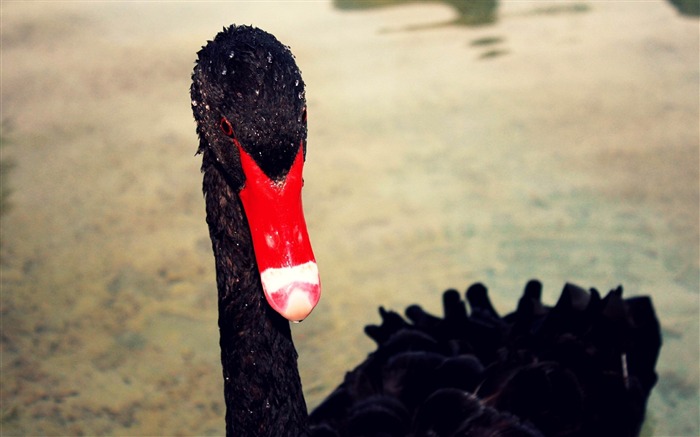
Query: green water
x=552, y=142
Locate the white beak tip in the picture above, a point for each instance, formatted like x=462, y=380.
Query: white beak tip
x=292, y=291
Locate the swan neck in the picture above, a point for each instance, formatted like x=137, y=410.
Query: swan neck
x=262, y=388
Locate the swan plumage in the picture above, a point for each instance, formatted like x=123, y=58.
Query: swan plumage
x=584, y=367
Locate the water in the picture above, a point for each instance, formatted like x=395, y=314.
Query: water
x=559, y=145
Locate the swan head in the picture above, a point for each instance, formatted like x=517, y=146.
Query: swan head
x=250, y=107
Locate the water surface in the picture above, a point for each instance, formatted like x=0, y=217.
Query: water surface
x=562, y=146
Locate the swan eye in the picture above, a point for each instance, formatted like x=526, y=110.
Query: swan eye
x=303, y=114
x=226, y=127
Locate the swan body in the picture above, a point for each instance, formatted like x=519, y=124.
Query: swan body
x=584, y=367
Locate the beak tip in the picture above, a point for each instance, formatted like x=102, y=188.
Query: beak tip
x=297, y=295
x=298, y=308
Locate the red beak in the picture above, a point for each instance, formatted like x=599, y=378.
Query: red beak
x=286, y=262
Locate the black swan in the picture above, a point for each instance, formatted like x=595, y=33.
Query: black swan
x=584, y=367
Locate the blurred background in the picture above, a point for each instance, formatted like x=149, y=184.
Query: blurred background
x=449, y=142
